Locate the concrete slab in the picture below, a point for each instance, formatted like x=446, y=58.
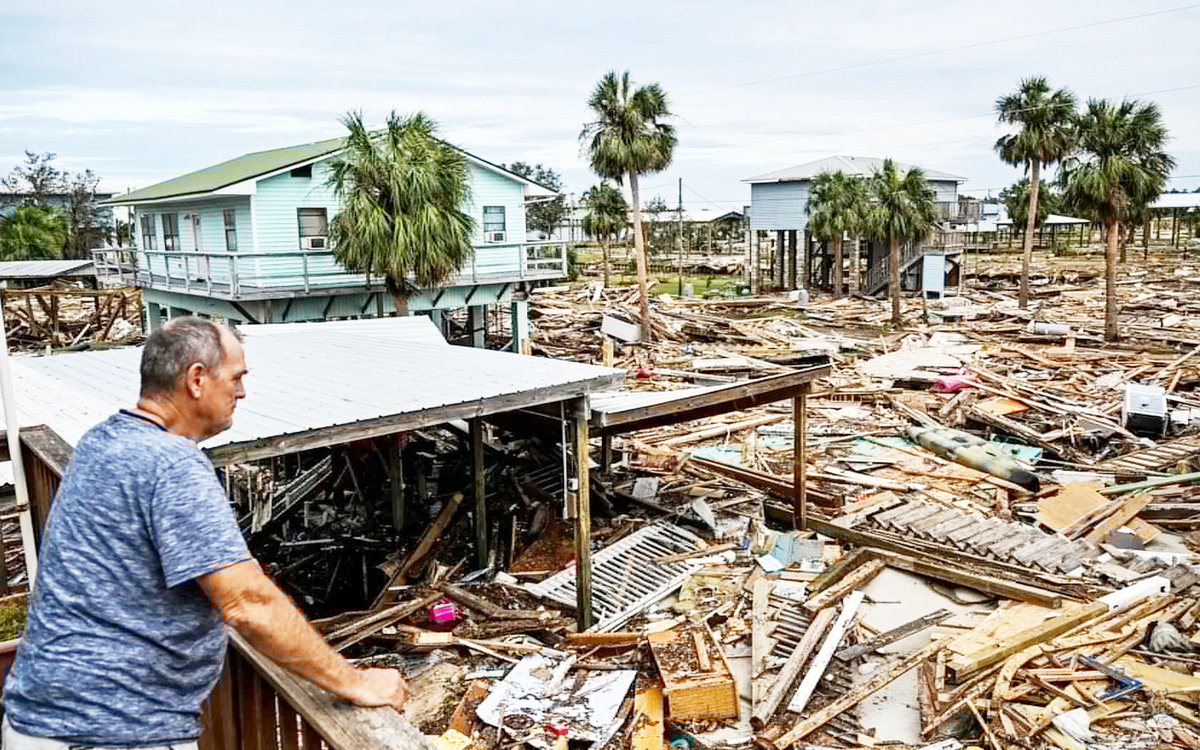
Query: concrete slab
x=894, y=598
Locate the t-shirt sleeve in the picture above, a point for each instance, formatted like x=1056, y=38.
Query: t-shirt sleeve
x=194, y=528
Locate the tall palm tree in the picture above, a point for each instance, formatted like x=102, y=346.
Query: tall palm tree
x=629, y=137
x=836, y=205
x=902, y=210
x=1120, y=164
x=402, y=193
x=606, y=217
x=1043, y=119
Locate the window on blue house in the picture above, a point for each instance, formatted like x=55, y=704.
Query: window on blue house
x=170, y=232
x=493, y=224
x=148, y=240
x=305, y=171
x=231, y=230
x=314, y=228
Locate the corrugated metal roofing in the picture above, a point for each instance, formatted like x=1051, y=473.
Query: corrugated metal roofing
x=230, y=172
x=261, y=163
x=1177, y=200
x=36, y=269
x=306, y=376
x=864, y=166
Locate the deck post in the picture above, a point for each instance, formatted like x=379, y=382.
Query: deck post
x=583, y=516
x=479, y=482
x=396, y=470
x=521, y=343
x=800, y=457
x=477, y=326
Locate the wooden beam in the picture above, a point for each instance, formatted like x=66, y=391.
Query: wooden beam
x=856, y=578
x=891, y=636
x=323, y=437
x=965, y=665
x=734, y=397
x=791, y=670
x=816, y=669
x=852, y=698
x=479, y=485
x=583, y=517
x=800, y=455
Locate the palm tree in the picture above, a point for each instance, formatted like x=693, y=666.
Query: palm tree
x=1044, y=133
x=605, y=218
x=629, y=138
x=33, y=233
x=901, y=210
x=836, y=205
x=401, y=194
x=1118, y=166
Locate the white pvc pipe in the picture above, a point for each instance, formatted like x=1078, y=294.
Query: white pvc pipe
x=13, y=430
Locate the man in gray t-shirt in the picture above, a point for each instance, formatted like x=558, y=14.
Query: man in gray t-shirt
x=142, y=565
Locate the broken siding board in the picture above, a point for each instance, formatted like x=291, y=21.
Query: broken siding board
x=819, y=662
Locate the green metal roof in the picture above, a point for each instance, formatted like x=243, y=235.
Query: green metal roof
x=230, y=172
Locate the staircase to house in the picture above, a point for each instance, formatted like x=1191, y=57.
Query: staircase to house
x=877, y=273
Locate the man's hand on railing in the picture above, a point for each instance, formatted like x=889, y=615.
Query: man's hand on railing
x=377, y=687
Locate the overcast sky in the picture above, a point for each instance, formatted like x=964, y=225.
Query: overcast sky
x=144, y=91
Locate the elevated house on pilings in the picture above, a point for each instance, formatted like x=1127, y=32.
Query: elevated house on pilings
x=792, y=259
x=246, y=241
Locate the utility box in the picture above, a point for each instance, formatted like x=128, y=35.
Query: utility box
x=1144, y=411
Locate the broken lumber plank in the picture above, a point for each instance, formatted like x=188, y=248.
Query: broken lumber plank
x=764, y=710
x=853, y=580
x=891, y=636
x=839, y=569
x=431, y=535
x=604, y=639
x=367, y=626
x=466, y=598
x=1122, y=516
x=648, y=726
x=819, y=662
x=964, y=665
x=710, y=550
x=963, y=577
x=853, y=698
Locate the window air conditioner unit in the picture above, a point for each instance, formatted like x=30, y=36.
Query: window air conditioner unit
x=500, y=236
x=313, y=243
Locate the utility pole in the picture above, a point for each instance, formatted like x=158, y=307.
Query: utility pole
x=680, y=239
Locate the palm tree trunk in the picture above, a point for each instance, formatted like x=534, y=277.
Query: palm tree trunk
x=837, y=268
x=1111, y=333
x=894, y=280
x=1027, y=240
x=639, y=244
x=604, y=250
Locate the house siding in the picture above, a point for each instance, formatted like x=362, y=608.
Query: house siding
x=944, y=191
x=778, y=205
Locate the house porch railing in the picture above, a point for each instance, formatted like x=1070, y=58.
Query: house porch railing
x=258, y=275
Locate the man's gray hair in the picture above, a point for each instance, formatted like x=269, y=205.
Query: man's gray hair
x=175, y=347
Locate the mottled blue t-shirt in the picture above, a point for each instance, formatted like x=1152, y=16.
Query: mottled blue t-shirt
x=122, y=645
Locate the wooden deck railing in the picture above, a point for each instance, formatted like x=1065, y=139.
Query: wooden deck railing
x=260, y=275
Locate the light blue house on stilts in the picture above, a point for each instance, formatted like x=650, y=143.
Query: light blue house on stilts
x=246, y=241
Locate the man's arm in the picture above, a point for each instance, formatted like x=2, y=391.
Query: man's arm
x=264, y=616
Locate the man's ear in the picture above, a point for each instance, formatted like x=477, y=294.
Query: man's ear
x=195, y=374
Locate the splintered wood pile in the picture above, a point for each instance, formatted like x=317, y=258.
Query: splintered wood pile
x=68, y=316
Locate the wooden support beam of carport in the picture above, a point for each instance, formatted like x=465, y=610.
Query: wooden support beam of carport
x=581, y=415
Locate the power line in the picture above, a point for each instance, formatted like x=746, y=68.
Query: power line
x=906, y=124
x=944, y=50
x=882, y=61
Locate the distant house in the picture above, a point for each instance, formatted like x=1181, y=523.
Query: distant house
x=779, y=202
x=247, y=240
